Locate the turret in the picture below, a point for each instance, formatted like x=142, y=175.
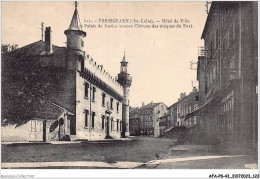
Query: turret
x=125, y=80
x=75, y=34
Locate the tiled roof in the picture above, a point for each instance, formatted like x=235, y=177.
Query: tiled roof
x=45, y=110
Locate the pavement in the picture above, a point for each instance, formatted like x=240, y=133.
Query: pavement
x=68, y=142
x=166, y=163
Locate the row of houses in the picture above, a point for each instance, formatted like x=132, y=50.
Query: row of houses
x=224, y=109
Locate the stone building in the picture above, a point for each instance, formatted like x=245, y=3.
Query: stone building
x=134, y=126
x=228, y=76
x=149, y=117
x=134, y=121
x=172, y=118
x=163, y=123
x=187, y=104
x=66, y=86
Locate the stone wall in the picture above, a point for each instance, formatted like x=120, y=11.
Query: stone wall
x=84, y=103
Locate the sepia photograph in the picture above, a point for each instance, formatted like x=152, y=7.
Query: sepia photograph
x=140, y=85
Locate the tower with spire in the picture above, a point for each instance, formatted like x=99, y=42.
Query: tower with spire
x=125, y=80
x=75, y=39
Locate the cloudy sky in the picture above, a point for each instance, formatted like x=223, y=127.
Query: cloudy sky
x=159, y=59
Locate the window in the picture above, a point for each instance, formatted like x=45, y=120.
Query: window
x=216, y=40
x=103, y=121
x=120, y=125
x=214, y=72
x=190, y=109
x=111, y=124
x=33, y=127
x=93, y=119
x=111, y=103
x=146, y=112
x=117, y=125
x=82, y=65
x=135, y=115
x=210, y=76
x=86, y=89
x=93, y=93
x=225, y=44
x=117, y=106
x=86, y=117
x=195, y=107
x=195, y=120
x=232, y=69
x=82, y=43
x=103, y=99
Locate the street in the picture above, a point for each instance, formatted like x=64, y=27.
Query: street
x=140, y=152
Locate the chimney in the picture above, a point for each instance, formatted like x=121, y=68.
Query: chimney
x=48, y=44
x=142, y=104
x=194, y=90
x=151, y=102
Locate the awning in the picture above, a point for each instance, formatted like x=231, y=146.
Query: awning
x=167, y=130
x=195, y=113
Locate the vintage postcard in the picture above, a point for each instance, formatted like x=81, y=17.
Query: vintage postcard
x=129, y=85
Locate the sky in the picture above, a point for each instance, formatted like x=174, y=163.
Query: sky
x=159, y=59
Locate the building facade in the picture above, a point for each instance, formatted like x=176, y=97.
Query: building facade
x=187, y=104
x=134, y=126
x=172, y=118
x=228, y=74
x=91, y=104
x=149, y=117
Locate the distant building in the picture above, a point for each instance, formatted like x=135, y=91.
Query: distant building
x=187, y=104
x=134, y=121
x=134, y=126
x=163, y=123
x=62, y=91
x=149, y=117
x=172, y=117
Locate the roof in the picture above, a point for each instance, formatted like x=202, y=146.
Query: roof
x=45, y=110
x=123, y=60
x=212, y=7
x=37, y=48
x=135, y=110
x=75, y=24
x=174, y=104
x=151, y=105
